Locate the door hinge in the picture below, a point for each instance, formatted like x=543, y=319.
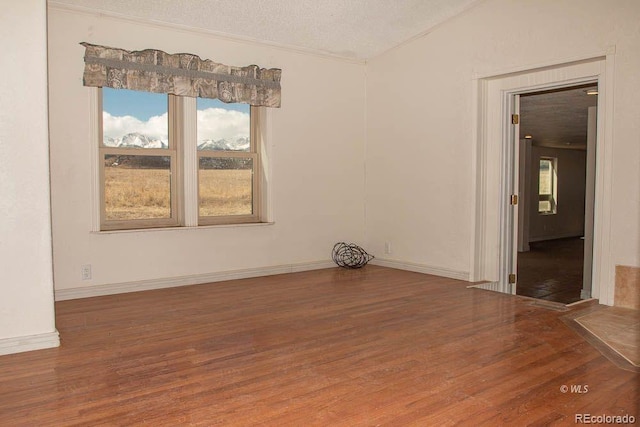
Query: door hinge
x=512, y=279
x=515, y=119
x=514, y=199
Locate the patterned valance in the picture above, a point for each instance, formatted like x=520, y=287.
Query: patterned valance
x=180, y=74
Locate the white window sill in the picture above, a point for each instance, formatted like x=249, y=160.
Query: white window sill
x=199, y=227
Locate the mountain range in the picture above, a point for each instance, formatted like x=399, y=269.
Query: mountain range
x=134, y=140
x=138, y=140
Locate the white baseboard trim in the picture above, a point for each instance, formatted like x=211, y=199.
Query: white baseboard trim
x=196, y=279
x=495, y=286
x=29, y=343
x=421, y=268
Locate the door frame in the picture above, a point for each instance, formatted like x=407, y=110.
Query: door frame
x=510, y=228
x=492, y=99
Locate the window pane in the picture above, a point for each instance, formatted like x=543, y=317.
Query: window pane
x=544, y=206
x=225, y=186
x=132, y=119
x=137, y=187
x=223, y=127
x=545, y=177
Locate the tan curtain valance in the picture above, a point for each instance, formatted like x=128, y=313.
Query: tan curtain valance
x=180, y=74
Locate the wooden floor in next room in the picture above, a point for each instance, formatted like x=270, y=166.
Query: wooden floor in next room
x=552, y=270
x=333, y=347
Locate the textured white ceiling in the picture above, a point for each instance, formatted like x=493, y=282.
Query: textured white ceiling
x=354, y=29
x=557, y=118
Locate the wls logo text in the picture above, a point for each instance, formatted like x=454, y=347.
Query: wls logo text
x=575, y=388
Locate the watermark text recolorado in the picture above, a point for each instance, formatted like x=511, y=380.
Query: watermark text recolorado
x=604, y=419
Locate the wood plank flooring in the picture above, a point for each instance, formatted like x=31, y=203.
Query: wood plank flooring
x=331, y=347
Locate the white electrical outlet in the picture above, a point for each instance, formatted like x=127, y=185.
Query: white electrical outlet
x=387, y=247
x=86, y=272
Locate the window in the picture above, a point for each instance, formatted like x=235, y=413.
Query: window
x=147, y=161
x=548, y=186
x=227, y=163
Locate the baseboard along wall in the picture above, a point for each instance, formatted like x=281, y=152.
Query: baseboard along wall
x=422, y=268
x=29, y=343
x=145, y=285
x=196, y=279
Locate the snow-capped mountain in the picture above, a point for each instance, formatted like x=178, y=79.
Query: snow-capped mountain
x=138, y=140
x=239, y=144
x=134, y=140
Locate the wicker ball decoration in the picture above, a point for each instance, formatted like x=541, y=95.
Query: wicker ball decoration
x=350, y=255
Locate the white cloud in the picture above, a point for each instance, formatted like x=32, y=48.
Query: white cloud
x=218, y=123
x=118, y=126
x=213, y=123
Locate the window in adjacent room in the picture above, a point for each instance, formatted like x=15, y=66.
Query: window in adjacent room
x=548, y=186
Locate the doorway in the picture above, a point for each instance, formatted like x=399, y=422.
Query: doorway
x=555, y=167
x=492, y=251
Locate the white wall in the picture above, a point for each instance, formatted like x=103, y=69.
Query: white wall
x=420, y=183
x=420, y=129
x=568, y=221
x=26, y=305
x=315, y=155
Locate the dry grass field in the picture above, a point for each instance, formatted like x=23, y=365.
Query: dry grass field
x=145, y=193
x=225, y=192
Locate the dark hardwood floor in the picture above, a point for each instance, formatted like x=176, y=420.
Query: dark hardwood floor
x=331, y=347
x=552, y=270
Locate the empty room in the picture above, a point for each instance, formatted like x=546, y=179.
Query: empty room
x=177, y=177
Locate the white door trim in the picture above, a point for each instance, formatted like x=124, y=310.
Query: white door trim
x=490, y=95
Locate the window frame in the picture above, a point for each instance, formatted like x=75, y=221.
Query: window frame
x=184, y=170
x=172, y=151
x=254, y=154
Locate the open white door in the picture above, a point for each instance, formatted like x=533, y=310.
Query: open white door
x=509, y=211
x=589, y=203
x=524, y=196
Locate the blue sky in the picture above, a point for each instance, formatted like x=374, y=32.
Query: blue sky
x=144, y=105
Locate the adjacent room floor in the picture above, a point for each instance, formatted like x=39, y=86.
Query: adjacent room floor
x=333, y=347
x=552, y=270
